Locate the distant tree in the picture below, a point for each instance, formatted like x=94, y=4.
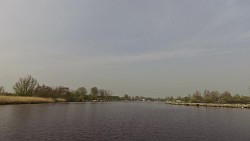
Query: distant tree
x=137, y=98
x=81, y=91
x=178, y=98
x=208, y=97
x=244, y=100
x=94, y=93
x=196, y=98
x=110, y=93
x=44, y=91
x=61, y=92
x=80, y=94
x=126, y=97
x=25, y=86
x=169, y=98
x=186, y=99
x=236, y=99
x=103, y=92
x=69, y=96
x=226, y=97
x=240, y=99
x=1, y=90
x=215, y=96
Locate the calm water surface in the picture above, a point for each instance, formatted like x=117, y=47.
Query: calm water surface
x=122, y=121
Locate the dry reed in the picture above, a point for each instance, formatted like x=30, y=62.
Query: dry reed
x=25, y=100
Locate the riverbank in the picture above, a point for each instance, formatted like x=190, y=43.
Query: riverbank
x=210, y=105
x=5, y=100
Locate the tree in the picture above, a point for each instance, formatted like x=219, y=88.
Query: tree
x=169, y=98
x=126, y=97
x=178, y=98
x=215, y=96
x=244, y=99
x=1, y=90
x=94, y=93
x=81, y=91
x=236, y=99
x=226, y=97
x=44, y=91
x=103, y=92
x=80, y=94
x=186, y=99
x=196, y=98
x=208, y=97
x=69, y=96
x=25, y=86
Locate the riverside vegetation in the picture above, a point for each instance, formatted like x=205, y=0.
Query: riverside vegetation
x=212, y=99
x=28, y=90
x=24, y=100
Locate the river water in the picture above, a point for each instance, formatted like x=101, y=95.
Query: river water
x=122, y=121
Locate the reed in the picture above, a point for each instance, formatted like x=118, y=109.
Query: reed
x=60, y=100
x=25, y=100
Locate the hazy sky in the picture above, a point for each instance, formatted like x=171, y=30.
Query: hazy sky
x=138, y=47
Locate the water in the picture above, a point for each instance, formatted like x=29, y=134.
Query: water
x=122, y=121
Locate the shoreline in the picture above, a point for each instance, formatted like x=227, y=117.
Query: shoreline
x=247, y=106
x=12, y=100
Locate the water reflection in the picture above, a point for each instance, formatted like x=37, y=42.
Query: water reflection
x=121, y=121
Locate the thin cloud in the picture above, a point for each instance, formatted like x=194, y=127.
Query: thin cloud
x=114, y=60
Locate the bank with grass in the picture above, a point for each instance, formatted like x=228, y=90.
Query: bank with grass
x=5, y=100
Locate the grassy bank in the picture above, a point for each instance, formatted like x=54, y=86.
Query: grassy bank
x=211, y=104
x=26, y=100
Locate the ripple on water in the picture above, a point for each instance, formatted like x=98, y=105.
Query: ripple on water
x=122, y=121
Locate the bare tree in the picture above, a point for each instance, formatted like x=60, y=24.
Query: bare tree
x=1, y=89
x=25, y=86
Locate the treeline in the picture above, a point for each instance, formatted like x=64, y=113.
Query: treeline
x=212, y=97
x=28, y=86
x=141, y=98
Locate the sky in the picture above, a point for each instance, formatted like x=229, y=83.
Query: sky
x=137, y=47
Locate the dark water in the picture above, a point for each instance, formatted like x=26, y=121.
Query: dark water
x=122, y=121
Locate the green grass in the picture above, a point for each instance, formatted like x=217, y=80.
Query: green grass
x=26, y=100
